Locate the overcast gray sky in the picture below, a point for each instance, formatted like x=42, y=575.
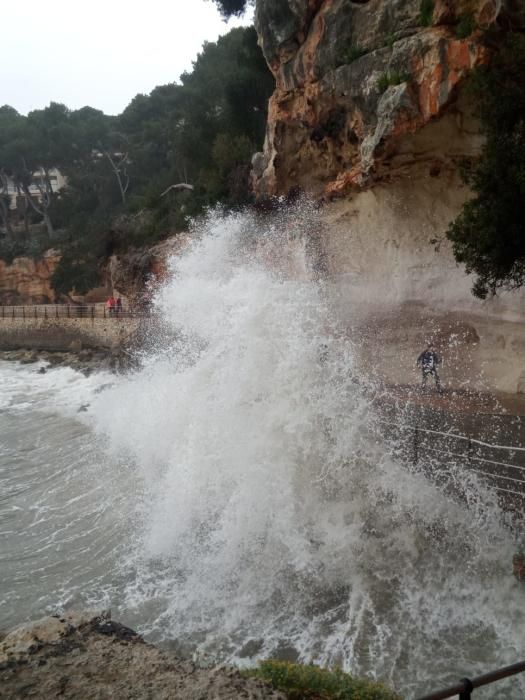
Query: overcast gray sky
x=99, y=52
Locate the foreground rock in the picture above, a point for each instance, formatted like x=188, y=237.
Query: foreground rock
x=83, y=655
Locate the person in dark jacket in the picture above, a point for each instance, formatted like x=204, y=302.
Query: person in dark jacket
x=429, y=361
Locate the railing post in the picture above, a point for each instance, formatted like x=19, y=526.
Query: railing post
x=68, y=312
x=469, y=450
x=13, y=311
x=3, y=312
x=35, y=311
x=45, y=312
x=92, y=312
x=467, y=693
x=56, y=310
x=416, y=445
x=104, y=311
x=23, y=312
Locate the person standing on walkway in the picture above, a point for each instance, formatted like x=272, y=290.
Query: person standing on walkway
x=119, y=306
x=110, y=304
x=429, y=361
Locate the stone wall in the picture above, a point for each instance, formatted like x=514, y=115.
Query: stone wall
x=66, y=333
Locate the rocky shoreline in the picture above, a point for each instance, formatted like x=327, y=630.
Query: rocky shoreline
x=87, y=655
x=84, y=360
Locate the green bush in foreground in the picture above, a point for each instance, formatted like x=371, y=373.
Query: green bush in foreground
x=301, y=682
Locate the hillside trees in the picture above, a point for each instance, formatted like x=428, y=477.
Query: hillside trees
x=13, y=145
x=29, y=149
x=201, y=132
x=179, y=133
x=488, y=236
x=229, y=8
x=4, y=204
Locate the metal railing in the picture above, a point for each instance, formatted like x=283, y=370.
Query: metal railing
x=464, y=689
x=78, y=311
x=502, y=467
x=484, y=458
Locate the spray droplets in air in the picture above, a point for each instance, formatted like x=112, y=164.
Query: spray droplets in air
x=272, y=517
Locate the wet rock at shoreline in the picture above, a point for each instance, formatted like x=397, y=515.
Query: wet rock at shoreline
x=88, y=655
x=86, y=361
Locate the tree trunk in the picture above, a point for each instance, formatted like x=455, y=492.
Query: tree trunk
x=40, y=211
x=4, y=214
x=5, y=203
x=26, y=219
x=48, y=223
x=123, y=183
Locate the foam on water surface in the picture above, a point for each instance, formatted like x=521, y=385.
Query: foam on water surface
x=239, y=501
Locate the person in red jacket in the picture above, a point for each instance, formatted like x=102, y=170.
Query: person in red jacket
x=110, y=305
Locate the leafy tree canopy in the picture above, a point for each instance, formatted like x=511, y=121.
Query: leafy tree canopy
x=488, y=236
x=229, y=8
x=202, y=131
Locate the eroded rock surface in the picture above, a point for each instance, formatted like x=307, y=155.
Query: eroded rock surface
x=28, y=281
x=89, y=656
x=353, y=78
x=129, y=274
x=369, y=114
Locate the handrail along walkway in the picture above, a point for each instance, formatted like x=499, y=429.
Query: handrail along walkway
x=76, y=311
x=466, y=686
x=470, y=457
x=455, y=436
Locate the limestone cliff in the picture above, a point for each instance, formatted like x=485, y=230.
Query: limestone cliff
x=369, y=109
x=129, y=274
x=28, y=281
x=353, y=78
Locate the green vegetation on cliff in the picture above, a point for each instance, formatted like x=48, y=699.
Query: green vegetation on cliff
x=387, y=80
x=298, y=682
x=229, y=8
x=488, y=236
x=426, y=12
x=120, y=171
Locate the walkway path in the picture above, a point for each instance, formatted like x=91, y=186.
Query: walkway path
x=63, y=327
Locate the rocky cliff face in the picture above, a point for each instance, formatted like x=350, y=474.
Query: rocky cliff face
x=353, y=79
x=27, y=281
x=128, y=275
x=369, y=110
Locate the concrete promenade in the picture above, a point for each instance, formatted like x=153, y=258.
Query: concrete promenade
x=65, y=327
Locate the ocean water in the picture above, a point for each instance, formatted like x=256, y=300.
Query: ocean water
x=233, y=498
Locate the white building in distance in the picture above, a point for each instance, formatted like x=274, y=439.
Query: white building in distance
x=17, y=198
